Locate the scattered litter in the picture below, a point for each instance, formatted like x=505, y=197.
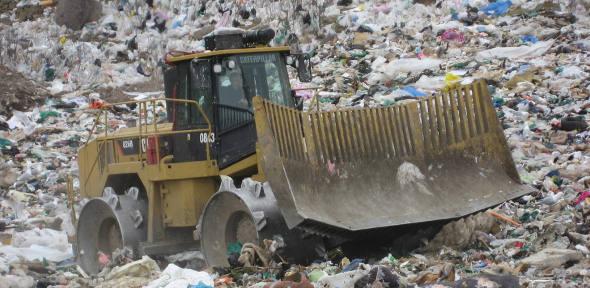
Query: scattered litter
x=535, y=50
x=176, y=277
x=60, y=58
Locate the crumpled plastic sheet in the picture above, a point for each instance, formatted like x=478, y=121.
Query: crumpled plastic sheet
x=534, y=50
x=44, y=237
x=176, y=277
x=35, y=252
x=403, y=51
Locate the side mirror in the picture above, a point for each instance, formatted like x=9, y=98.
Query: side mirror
x=303, y=65
x=297, y=100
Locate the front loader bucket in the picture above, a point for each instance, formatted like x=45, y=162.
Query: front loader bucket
x=440, y=157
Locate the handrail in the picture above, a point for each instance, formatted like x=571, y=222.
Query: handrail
x=143, y=117
x=153, y=100
x=92, y=129
x=161, y=133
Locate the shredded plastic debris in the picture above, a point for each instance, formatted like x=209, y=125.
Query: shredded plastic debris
x=533, y=54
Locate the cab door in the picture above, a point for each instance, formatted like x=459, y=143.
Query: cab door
x=190, y=81
x=234, y=115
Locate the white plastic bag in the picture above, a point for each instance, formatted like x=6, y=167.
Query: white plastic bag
x=44, y=237
x=35, y=252
x=535, y=50
x=176, y=277
x=406, y=65
x=342, y=280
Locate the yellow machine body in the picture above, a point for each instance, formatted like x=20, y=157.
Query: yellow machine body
x=332, y=172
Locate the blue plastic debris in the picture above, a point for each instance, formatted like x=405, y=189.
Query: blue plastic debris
x=523, y=68
x=496, y=8
x=498, y=102
x=529, y=39
x=481, y=28
x=200, y=285
x=454, y=14
x=353, y=265
x=413, y=91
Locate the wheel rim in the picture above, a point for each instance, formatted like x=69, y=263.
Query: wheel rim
x=109, y=236
x=240, y=228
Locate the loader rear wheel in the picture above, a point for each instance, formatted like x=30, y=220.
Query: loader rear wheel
x=249, y=214
x=107, y=223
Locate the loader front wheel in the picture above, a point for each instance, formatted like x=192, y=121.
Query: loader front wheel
x=249, y=214
x=107, y=223
x=240, y=228
x=226, y=221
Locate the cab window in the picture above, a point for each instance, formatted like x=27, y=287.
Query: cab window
x=265, y=75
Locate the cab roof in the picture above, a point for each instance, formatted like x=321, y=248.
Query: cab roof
x=179, y=58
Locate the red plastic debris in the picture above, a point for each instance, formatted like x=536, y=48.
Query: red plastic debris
x=582, y=197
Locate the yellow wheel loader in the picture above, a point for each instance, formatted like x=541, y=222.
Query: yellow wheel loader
x=236, y=160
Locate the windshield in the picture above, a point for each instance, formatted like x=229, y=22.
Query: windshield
x=261, y=74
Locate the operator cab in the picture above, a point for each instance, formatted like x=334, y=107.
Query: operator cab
x=223, y=81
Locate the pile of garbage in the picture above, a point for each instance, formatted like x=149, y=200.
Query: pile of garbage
x=533, y=54
x=18, y=92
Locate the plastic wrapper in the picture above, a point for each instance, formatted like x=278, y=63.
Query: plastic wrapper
x=176, y=277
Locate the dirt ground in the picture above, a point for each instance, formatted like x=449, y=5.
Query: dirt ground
x=7, y=5
x=18, y=92
x=114, y=95
x=23, y=13
x=75, y=13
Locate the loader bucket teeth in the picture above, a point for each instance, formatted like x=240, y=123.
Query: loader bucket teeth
x=133, y=192
x=439, y=157
x=113, y=201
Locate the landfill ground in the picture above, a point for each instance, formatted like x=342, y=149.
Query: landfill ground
x=59, y=57
x=18, y=92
